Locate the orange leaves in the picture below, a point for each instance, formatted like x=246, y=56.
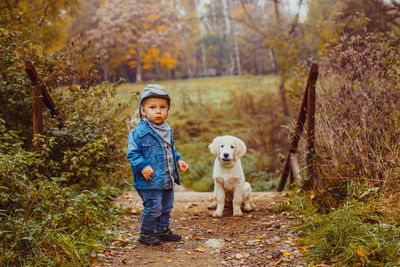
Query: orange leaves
x=152, y=58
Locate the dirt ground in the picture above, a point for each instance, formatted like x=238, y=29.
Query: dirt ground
x=259, y=238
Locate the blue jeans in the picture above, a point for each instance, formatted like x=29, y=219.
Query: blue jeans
x=157, y=205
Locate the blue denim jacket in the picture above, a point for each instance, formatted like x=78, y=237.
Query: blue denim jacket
x=145, y=149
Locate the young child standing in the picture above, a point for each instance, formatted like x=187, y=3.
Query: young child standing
x=155, y=164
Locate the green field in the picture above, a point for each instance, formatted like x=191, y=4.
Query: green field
x=204, y=108
x=213, y=90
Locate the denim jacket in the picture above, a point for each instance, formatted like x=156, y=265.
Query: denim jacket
x=145, y=149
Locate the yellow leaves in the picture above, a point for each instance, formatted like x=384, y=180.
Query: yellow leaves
x=362, y=253
x=199, y=249
x=312, y=194
x=286, y=253
x=161, y=28
x=153, y=16
x=167, y=61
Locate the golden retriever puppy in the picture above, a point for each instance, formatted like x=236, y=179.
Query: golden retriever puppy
x=229, y=182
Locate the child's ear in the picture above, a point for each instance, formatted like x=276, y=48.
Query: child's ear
x=142, y=110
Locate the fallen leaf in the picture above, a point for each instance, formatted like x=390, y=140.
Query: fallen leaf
x=239, y=256
x=256, y=240
x=285, y=253
x=199, y=249
x=195, y=204
x=279, y=261
x=362, y=254
x=188, y=252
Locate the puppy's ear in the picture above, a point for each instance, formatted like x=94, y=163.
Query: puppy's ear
x=214, y=146
x=240, y=148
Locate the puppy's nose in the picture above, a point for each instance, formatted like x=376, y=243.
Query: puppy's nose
x=226, y=155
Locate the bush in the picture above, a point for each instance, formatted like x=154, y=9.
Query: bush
x=55, y=204
x=41, y=222
x=358, y=115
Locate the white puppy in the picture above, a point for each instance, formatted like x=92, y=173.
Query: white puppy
x=229, y=183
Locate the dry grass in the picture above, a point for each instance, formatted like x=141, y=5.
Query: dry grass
x=358, y=116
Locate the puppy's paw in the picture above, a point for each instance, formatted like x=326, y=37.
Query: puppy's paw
x=217, y=214
x=248, y=207
x=237, y=213
x=212, y=206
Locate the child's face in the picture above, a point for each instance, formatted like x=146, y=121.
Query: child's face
x=155, y=109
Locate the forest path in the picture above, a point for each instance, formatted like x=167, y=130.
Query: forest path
x=259, y=238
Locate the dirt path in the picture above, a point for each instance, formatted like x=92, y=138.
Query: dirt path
x=259, y=238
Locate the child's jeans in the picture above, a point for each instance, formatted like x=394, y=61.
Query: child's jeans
x=157, y=205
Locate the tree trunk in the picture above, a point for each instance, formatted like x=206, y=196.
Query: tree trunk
x=138, y=64
x=239, y=66
x=272, y=58
x=225, y=10
x=202, y=48
x=235, y=42
x=277, y=17
x=105, y=68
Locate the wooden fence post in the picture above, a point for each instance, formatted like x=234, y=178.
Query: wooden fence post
x=40, y=96
x=312, y=78
x=311, y=124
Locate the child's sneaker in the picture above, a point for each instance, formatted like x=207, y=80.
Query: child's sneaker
x=149, y=239
x=169, y=236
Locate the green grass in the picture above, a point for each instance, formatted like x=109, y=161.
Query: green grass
x=355, y=234
x=202, y=109
x=205, y=90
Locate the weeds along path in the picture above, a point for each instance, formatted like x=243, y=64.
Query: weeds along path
x=259, y=238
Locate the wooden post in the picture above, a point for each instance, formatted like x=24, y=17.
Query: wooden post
x=312, y=78
x=294, y=170
x=311, y=123
x=37, y=106
x=40, y=96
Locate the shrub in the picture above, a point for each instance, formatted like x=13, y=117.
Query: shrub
x=41, y=222
x=55, y=204
x=358, y=115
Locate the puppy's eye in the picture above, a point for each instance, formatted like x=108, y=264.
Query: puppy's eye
x=222, y=145
x=232, y=147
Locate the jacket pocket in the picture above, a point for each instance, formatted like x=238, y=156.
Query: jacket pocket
x=148, y=143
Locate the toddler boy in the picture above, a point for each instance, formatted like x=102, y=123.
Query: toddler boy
x=155, y=163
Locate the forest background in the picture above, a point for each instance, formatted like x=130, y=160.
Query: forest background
x=236, y=67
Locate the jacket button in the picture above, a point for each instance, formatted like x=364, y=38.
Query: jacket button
x=160, y=167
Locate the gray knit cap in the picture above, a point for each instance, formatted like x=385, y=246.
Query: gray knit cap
x=153, y=90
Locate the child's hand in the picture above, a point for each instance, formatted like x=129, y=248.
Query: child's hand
x=147, y=172
x=182, y=166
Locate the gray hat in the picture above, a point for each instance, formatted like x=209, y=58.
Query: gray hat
x=153, y=90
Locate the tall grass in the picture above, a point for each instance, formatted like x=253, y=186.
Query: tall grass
x=356, y=234
x=358, y=115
